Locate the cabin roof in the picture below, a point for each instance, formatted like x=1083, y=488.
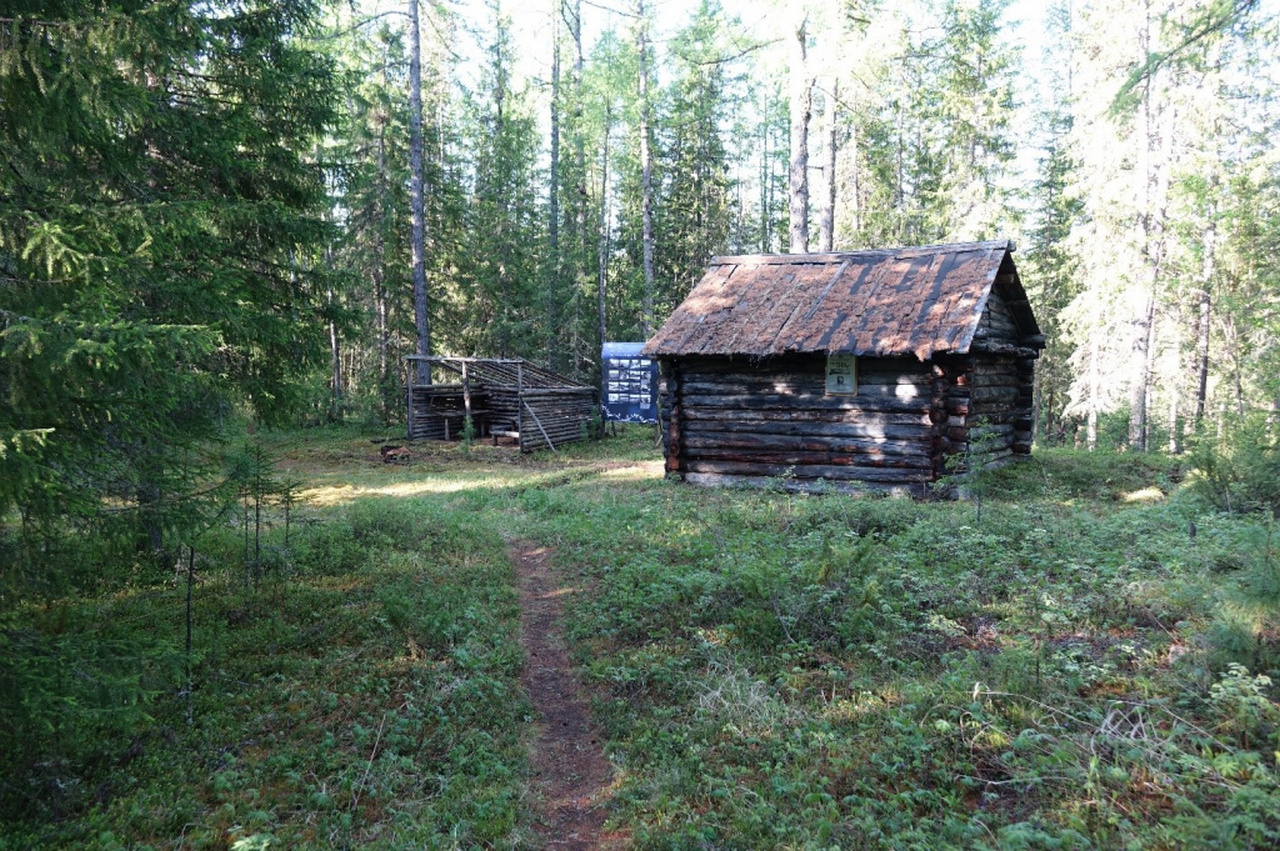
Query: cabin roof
x=925, y=301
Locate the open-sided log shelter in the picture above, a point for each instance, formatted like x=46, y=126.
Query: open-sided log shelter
x=504, y=397
x=862, y=370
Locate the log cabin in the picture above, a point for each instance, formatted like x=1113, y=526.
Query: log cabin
x=864, y=370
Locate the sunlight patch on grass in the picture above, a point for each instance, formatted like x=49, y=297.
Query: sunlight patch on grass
x=1147, y=494
x=850, y=709
x=334, y=495
x=559, y=592
x=637, y=473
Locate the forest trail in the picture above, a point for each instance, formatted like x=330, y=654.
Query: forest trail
x=573, y=778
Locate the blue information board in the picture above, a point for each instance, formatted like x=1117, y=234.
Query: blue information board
x=630, y=390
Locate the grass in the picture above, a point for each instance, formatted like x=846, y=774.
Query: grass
x=1065, y=663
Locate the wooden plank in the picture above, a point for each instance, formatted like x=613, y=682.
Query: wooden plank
x=985, y=393
x=796, y=458
x=811, y=471
x=903, y=390
x=787, y=444
x=799, y=418
x=806, y=485
x=852, y=431
x=811, y=381
x=812, y=402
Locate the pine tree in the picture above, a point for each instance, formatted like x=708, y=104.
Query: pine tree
x=1050, y=269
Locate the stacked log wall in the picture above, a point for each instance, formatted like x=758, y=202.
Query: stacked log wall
x=543, y=417
x=997, y=322
x=504, y=409
x=728, y=419
x=1000, y=384
x=993, y=389
x=554, y=417
x=993, y=398
x=949, y=409
x=425, y=422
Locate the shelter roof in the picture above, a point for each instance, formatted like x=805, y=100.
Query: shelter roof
x=501, y=372
x=925, y=301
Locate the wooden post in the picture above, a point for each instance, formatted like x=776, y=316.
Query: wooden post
x=410, y=371
x=670, y=391
x=520, y=403
x=466, y=392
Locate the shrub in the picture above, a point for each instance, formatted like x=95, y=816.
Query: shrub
x=1241, y=471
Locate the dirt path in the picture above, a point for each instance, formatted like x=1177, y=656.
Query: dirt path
x=574, y=779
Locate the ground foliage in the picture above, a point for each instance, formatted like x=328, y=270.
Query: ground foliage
x=1085, y=663
x=1073, y=669
x=355, y=686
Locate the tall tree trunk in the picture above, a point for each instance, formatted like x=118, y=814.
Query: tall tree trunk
x=899, y=175
x=602, y=268
x=1140, y=384
x=1204, y=315
x=335, y=363
x=855, y=188
x=646, y=168
x=1155, y=155
x=380, y=272
x=578, y=239
x=1095, y=377
x=1144, y=312
x=416, y=201
x=766, y=181
x=801, y=110
x=827, y=219
x=553, y=206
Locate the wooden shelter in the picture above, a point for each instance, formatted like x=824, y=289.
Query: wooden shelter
x=504, y=397
x=862, y=370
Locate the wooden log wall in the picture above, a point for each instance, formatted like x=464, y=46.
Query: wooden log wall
x=430, y=404
x=997, y=322
x=543, y=417
x=554, y=417
x=732, y=420
x=504, y=410
x=1002, y=379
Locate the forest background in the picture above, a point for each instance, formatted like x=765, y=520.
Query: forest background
x=601, y=153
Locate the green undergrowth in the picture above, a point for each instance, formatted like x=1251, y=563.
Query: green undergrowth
x=1082, y=656
x=1060, y=667
x=363, y=692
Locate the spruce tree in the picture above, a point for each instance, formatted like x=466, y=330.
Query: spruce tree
x=158, y=230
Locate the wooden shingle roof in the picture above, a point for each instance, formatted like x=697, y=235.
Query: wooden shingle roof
x=924, y=301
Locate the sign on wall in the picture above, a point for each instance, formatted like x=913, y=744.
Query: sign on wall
x=842, y=375
x=630, y=390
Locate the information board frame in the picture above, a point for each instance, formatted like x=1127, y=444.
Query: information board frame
x=629, y=384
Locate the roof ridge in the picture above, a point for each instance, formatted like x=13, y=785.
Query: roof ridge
x=828, y=257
